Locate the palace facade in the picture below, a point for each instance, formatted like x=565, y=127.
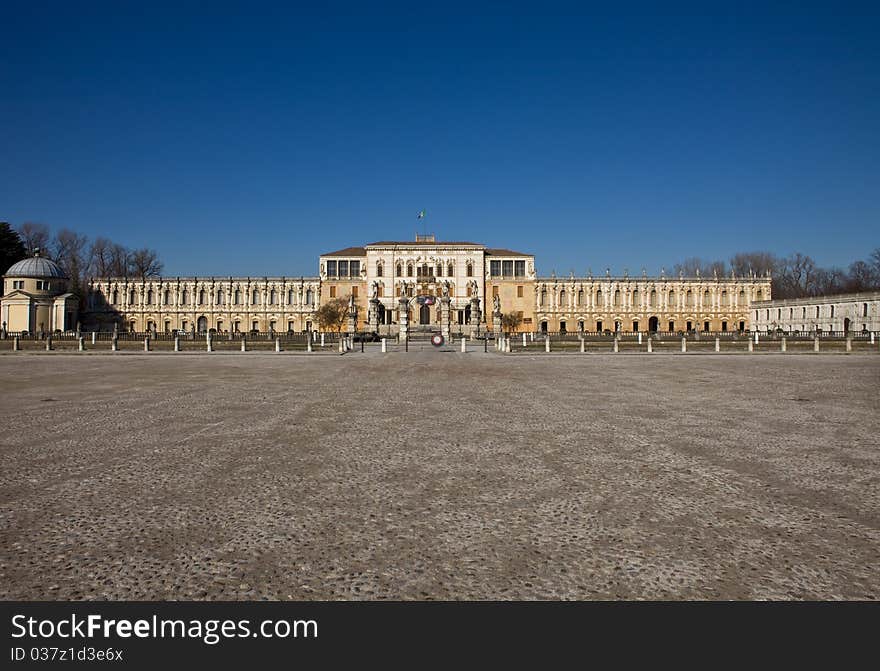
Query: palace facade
x=419, y=284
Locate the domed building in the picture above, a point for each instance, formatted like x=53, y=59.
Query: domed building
x=35, y=297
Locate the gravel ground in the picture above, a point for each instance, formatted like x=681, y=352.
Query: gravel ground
x=439, y=475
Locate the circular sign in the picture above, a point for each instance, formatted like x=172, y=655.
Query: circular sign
x=437, y=340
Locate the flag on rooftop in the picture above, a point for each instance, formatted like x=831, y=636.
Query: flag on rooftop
x=422, y=214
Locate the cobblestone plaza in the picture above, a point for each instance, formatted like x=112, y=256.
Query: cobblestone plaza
x=439, y=475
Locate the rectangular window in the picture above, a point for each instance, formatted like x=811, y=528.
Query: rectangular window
x=495, y=268
x=495, y=290
x=332, y=292
x=507, y=268
x=343, y=268
x=519, y=268
x=331, y=268
x=519, y=292
x=354, y=292
x=354, y=268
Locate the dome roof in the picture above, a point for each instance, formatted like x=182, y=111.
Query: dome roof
x=36, y=266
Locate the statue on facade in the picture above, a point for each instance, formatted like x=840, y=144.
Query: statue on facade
x=496, y=303
x=374, y=290
x=445, y=289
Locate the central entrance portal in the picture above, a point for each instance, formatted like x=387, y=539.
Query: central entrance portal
x=424, y=314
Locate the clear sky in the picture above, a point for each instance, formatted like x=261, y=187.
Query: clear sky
x=245, y=139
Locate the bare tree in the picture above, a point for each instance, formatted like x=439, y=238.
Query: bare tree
x=694, y=266
x=797, y=277
x=119, y=264
x=145, y=263
x=34, y=235
x=861, y=277
x=758, y=263
x=829, y=281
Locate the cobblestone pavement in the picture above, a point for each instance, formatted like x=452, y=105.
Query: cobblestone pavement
x=439, y=475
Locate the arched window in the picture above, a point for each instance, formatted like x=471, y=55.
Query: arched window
x=760, y=295
x=380, y=269
x=272, y=297
x=149, y=296
x=865, y=310
x=255, y=297
x=599, y=299
x=653, y=298
x=580, y=300
x=290, y=301
x=450, y=270
x=166, y=298
x=817, y=312
x=671, y=299
x=237, y=297
x=409, y=270
x=439, y=270
x=616, y=297
x=308, y=296
x=804, y=313
x=543, y=299
x=115, y=296
x=470, y=269
x=707, y=300
x=562, y=298
x=832, y=312
x=689, y=299
x=201, y=297
x=399, y=270
x=742, y=297
x=635, y=298
x=724, y=300
x=131, y=297
x=184, y=297
x=221, y=299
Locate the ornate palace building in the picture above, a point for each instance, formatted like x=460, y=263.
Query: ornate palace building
x=426, y=284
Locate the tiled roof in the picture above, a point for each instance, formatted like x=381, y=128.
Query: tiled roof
x=410, y=243
x=504, y=252
x=348, y=251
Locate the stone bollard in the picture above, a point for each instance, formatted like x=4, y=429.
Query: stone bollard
x=756, y=337
x=176, y=343
x=524, y=339
x=507, y=345
x=49, y=344
x=82, y=344
x=147, y=344
x=114, y=344
x=640, y=337
x=209, y=343
x=277, y=344
x=583, y=348
x=684, y=344
x=94, y=338
x=308, y=345
x=872, y=337
x=751, y=346
x=547, y=343
x=616, y=345
x=463, y=344
x=650, y=347
x=341, y=345
x=16, y=344
x=816, y=343
x=782, y=345
x=243, y=344
x=322, y=340
x=384, y=346
x=717, y=344
x=849, y=344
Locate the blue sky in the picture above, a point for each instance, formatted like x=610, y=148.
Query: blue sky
x=246, y=139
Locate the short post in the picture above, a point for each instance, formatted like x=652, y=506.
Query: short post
x=532, y=336
x=717, y=344
x=756, y=337
x=362, y=345
x=308, y=343
x=547, y=343
x=583, y=349
x=524, y=339
x=384, y=346
x=616, y=345
x=650, y=347
x=463, y=344
x=684, y=344
x=209, y=343
x=114, y=344
x=640, y=337
x=16, y=344
x=751, y=346
x=872, y=337
x=277, y=344
x=816, y=343
x=82, y=344
x=849, y=343
x=782, y=345
x=486, y=344
x=49, y=343
x=341, y=346
x=243, y=344
x=147, y=344
x=176, y=343
x=507, y=345
x=322, y=339
x=94, y=337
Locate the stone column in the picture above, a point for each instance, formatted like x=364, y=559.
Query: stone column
x=782, y=345
x=94, y=337
x=650, y=347
x=751, y=346
x=384, y=346
x=114, y=343
x=147, y=344
x=849, y=344
x=176, y=343
x=243, y=344
x=277, y=344
x=49, y=343
x=816, y=343
x=402, y=317
x=373, y=317
x=476, y=313
x=546, y=343
x=81, y=342
x=445, y=316
x=684, y=344
x=464, y=344
x=717, y=344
